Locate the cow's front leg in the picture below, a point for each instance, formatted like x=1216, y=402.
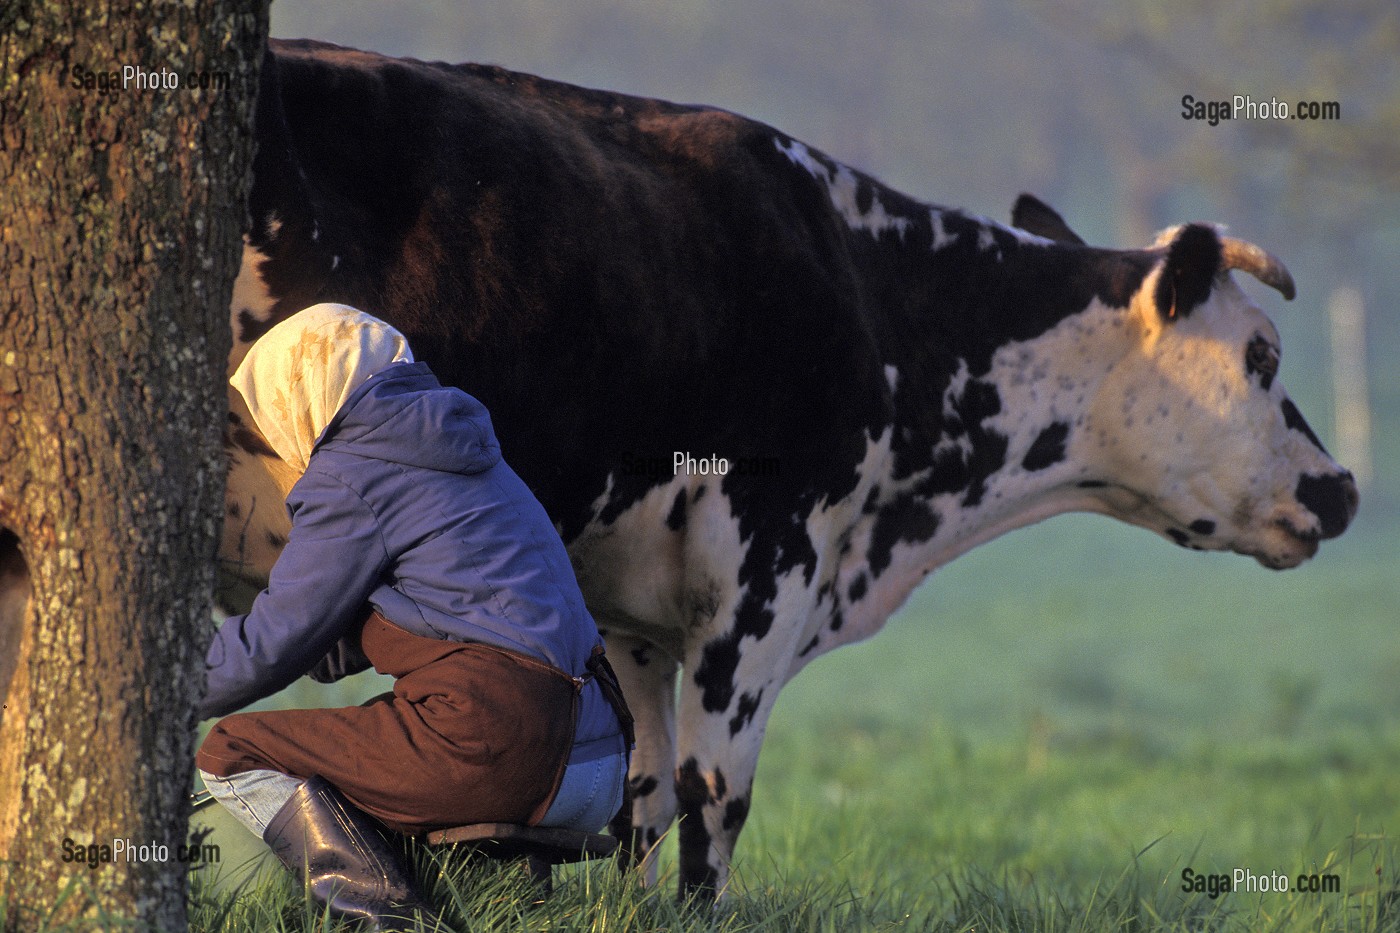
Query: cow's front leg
x=727, y=695
x=648, y=678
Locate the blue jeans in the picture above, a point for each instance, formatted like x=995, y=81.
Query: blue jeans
x=589, y=795
x=253, y=797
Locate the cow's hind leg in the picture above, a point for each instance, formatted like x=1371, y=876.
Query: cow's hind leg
x=648, y=678
x=726, y=699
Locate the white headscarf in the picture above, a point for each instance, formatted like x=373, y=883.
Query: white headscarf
x=297, y=375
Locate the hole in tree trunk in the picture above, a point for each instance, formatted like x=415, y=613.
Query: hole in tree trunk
x=14, y=598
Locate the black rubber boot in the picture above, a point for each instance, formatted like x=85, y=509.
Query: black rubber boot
x=347, y=864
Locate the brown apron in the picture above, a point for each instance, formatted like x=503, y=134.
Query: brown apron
x=470, y=734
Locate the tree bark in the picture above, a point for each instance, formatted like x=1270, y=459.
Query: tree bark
x=121, y=211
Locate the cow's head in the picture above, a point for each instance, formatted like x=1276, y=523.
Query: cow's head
x=1191, y=431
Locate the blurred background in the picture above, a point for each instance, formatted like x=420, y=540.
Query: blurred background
x=1079, y=632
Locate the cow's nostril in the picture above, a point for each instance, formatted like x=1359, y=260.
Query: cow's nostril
x=1332, y=498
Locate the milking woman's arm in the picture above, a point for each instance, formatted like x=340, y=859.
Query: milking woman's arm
x=333, y=560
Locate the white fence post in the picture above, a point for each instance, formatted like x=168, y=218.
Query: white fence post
x=1347, y=311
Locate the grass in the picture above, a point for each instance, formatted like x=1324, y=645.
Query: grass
x=1002, y=836
x=1045, y=750
x=1043, y=739
x=996, y=846
x=1132, y=896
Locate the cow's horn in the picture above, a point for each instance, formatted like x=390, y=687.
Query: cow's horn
x=1237, y=254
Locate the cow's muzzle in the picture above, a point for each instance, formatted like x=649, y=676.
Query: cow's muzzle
x=1332, y=497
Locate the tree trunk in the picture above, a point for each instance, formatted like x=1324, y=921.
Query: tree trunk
x=121, y=209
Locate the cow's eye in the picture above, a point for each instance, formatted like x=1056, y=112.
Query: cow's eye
x=1261, y=357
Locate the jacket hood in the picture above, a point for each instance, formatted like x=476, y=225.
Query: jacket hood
x=402, y=414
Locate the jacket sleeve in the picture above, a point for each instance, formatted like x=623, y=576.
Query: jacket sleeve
x=334, y=558
x=345, y=658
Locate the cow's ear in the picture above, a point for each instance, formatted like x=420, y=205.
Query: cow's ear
x=1190, y=271
x=1035, y=216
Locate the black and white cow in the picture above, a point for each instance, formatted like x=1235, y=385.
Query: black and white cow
x=621, y=279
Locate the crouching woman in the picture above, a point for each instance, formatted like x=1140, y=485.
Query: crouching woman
x=413, y=548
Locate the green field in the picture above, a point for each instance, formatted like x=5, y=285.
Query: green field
x=1048, y=734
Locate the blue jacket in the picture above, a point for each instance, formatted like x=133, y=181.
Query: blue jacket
x=407, y=505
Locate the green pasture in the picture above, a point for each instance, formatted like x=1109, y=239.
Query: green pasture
x=1049, y=733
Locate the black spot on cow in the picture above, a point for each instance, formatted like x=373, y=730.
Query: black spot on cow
x=1203, y=526
x=694, y=791
x=906, y=519
x=949, y=472
x=955, y=469
x=641, y=655
x=699, y=493
x=1093, y=484
x=1179, y=536
x=238, y=437
x=859, y=586
x=872, y=501
x=838, y=619
x=250, y=327
x=643, y=786
x=690, y=786
x=1048, y=448
x=865, y=195
x=754, y=616
x=988, y=456
x=715, y=675
x=810, y=646
x=252, y=443
x=676, y=520
x=1293, y=419
x=736, y=812
x=778, y=543
x=743, y=715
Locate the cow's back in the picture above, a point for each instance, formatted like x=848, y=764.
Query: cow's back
x=617, y=278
